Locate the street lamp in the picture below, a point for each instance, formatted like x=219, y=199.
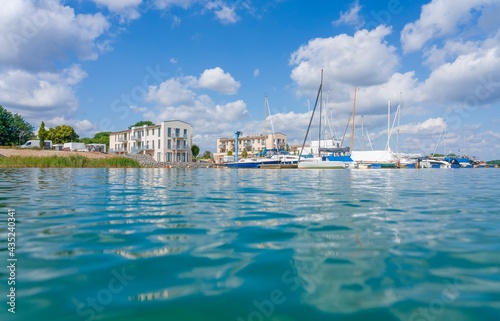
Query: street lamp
x=238, y=133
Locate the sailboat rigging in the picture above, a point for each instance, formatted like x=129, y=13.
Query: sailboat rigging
x=327, y=157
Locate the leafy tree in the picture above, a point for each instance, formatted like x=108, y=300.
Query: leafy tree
x=86, y=140
x=207, y=155
x=62, y=134
x=244, y=153
x=195, y=150
x=14, y=129
x=229, y=153
x=99, y=138
x=42, y=134
x=142, y=123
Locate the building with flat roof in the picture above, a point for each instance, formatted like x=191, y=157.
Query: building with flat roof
x=170, y=141
x=252, y=144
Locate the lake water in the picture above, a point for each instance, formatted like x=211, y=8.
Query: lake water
x=222, y=244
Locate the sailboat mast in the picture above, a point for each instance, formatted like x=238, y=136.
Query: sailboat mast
x=388, y=124
x=265, y=118
x=399, y=117
x=312, y=116
x=272, y=126
x=353, y=118
x=362, y=134
x=320, y=113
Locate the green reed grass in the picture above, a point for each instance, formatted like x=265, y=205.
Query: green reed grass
x=73, y=161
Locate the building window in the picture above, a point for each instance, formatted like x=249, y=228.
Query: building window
x=159, y=146
x=158, y=157
x=152, y=132
x=169, y=157
x=177, y=132
x=159, y=131
x=153, y=147
x=147, y=132
x=169, y=132
x=185, y=132
x=169, y=144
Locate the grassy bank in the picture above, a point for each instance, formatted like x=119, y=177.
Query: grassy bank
x=73, y=161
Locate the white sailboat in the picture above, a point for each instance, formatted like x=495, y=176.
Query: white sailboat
x=378, y=158
x=335, y=157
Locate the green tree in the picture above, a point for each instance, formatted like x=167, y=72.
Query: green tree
x=229, y=153
x=142, y=123
x=62, y=134
x=14, y=130
x=195, y=150
x=207, y=155
x=42, y=134
x=86, y=140
x=244, y=153
x=23, y=131
x=99, y=138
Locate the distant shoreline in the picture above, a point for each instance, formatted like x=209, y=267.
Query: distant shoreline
x=36, y=158
x=18, y=158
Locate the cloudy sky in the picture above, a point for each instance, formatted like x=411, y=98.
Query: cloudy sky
x=103, y=65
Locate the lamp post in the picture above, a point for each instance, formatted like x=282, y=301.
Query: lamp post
x=238, y=133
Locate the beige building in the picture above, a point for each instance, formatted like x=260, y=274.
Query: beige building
x=170, y=141
x=253, y=145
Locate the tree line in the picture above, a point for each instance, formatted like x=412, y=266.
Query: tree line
x=15, y=131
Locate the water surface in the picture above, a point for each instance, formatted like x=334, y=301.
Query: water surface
x=222, y=244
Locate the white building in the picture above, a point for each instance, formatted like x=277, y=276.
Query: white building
x=170, y=141
x=252, y=144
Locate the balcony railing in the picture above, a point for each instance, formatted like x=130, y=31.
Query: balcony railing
x=117, y=150
x=142, y=147
x=121, y=139
x=178, y=135
x=179, y=147
x=135, y=137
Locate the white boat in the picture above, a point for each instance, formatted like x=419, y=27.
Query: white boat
x=434, y=163
x=286, y=158
x=327, y=158
x=319, y=163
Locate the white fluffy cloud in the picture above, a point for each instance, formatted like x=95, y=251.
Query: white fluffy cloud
x=471, y=79
x=40, y=94
x=218, y=80
x=223, y=12
x=172, y=92
x=51, y=30
x=364, y=59
x=128, y=9
x=179, y=91
x=165, y=4
x=351, y=17
x=438, y=19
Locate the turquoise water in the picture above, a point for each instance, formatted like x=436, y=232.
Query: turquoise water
x=221, y=244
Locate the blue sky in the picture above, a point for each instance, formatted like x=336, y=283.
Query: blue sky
x=103, y=65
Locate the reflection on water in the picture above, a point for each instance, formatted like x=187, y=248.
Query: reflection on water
x=219, y=244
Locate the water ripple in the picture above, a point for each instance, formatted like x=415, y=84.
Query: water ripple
x=209, y=243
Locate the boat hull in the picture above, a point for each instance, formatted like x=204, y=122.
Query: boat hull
x=252, y=163
x=242, y=165
x=322, y=165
